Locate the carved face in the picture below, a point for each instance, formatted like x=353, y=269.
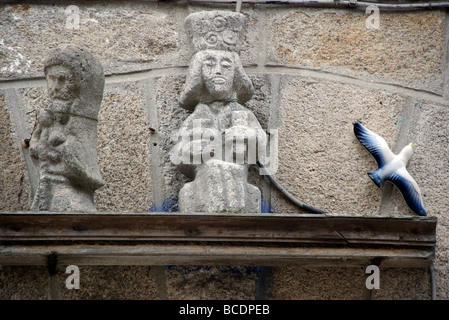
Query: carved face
x=61, y=83
x=218, y=74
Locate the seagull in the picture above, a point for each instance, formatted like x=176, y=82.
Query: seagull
x=391, y=167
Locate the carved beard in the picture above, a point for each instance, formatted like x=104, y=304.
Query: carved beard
x=61, y=110
x=58, y=105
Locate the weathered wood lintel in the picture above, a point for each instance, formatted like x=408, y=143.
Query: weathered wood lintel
x=27, y=238
x=169, y=254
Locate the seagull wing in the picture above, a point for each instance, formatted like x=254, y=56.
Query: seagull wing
x=374, y=143
x=409, y=189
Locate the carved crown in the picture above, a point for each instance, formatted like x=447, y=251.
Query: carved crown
x=215, y=30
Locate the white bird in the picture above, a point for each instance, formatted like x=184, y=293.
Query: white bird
x=391, y=167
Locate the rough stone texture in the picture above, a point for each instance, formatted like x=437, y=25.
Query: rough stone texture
x=349, y=284
x=320, y=159
x=14, y=186
x=121, y=39
x=140, y=37
x=211, y=283
x=96, y=283
x=23, y=283
x=32, y=101
x=403, y=284
x=220, y=187
x=292, y=283
x=260, y=103
x=430, y=167
x=407, y=46
x=63, y=145
x=110, y=283
x=251, y=39
x=124, y=152
x=170, y=117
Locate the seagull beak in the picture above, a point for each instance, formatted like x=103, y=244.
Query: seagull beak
x=410, y=144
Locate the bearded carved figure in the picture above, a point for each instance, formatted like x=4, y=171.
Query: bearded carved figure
x=63, y=144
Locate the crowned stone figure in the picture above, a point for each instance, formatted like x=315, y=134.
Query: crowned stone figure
x=221, y=138
x=63, y=145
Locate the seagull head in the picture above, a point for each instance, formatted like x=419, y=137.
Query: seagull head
x=407, y=152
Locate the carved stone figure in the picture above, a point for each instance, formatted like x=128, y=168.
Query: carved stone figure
x=215, y=90
x=63, y=145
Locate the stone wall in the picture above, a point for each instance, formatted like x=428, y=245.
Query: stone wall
x=315, y=70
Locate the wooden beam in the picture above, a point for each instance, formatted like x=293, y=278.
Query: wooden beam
x=303, y=228
x=213, y=254
x=207, y=238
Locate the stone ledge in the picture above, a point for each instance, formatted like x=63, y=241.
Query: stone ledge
x=103, y=238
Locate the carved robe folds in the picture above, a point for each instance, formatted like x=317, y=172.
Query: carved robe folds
x=217, y=158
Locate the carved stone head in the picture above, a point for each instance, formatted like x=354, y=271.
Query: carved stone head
x=215, y=71
x=218, y=74
x=73, y=73
x=61, y=83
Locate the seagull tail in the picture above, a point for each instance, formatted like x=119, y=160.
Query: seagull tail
x=376, y=178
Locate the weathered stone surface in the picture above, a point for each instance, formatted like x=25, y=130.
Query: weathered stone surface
x=138, y=37
x=23, y=283
x=14, y=186
x=320, y=159
x=349, y=284
x=250, y=53
x=32, y=100
x=170, y=118
x=430, y=167
x=403, y=284
x=408, y=47
x=215, y=283
x=110, y=283
x=260, y=103
x=124, y=152
x=292, y=283
x=226, y=183
x=63, y=143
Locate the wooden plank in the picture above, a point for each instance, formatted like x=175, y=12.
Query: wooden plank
x=167, y=227
x=159, y=254
x=301, y=228
x=399, y=230
x=28, y=238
